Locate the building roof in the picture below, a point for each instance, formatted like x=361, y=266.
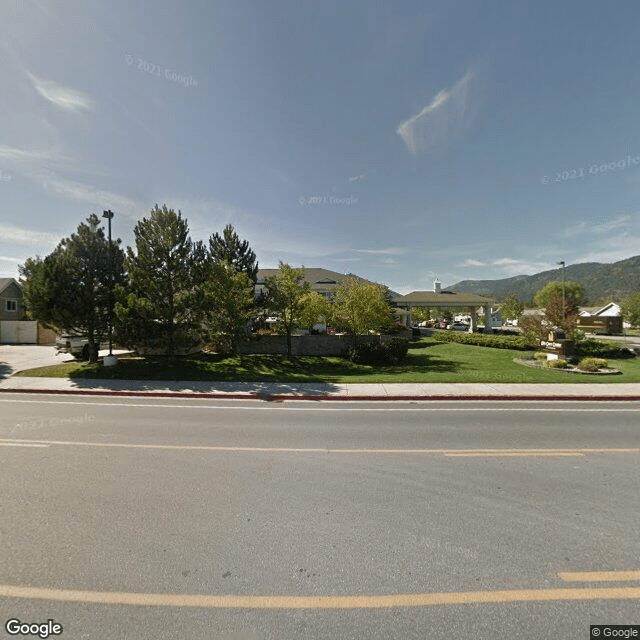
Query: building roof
x=588, y=311
x=444, y=299
x=319, y=279
x=5, y=282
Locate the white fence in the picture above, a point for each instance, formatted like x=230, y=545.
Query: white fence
x=18, y=332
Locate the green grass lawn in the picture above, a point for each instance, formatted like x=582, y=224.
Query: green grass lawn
x=427, y=361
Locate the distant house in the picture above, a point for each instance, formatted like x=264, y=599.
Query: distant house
x=610, y=310
x=11, y=306
x=606, y=319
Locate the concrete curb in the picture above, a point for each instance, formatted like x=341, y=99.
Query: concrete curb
x=280, y=397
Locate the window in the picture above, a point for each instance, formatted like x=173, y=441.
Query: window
x=12, y=305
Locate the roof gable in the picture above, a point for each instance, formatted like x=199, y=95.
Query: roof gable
x=5, y=283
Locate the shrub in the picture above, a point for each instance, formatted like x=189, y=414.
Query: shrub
x=590, y=347
x=601, y=349
x=264, y=332
x=376, y=353
x=540, y=355
x=397, y=349
x=396, y=328
x=481, y=339
x=533, y=330
x=555, y=364
x=592, y=364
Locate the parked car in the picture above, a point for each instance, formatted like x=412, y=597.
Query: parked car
x=458, y=326
x=76, y=345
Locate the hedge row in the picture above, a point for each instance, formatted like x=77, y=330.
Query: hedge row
x=392, y=352
x=482, y=339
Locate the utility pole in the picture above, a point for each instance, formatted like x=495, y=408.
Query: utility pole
x=109, y=215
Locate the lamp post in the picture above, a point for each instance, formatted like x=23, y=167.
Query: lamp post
x=111, y=360
x=562, y=263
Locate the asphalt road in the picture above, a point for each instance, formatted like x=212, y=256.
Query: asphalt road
x=146, y=518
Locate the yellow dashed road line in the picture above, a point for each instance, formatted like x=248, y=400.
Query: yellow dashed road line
x=599, y=576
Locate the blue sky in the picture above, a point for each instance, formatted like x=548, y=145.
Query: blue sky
x=397, y=141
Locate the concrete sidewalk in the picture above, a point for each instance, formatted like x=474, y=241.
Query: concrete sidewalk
x=326, y=391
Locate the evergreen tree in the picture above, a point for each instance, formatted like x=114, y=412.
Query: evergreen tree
x=155, y=309
x=70, y=289
x=229, y=248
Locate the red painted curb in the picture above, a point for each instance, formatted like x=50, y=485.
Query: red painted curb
x=323, y=397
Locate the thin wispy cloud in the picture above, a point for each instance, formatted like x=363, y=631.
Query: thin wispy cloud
x=9, y=259
x=61, y=96
x=15, y=155
x=82, y=192
x=10, y=233
x=584, y=226
x=449, y=112
x=390, y=251
x=358, y=178
x=473, y=263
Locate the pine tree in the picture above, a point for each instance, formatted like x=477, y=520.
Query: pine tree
x=229, y=248
x=70, y=289
x=155, y=309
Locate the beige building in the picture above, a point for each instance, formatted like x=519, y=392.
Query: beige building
x=438, y=299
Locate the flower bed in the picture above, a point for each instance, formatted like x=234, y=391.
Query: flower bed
x=537, y=364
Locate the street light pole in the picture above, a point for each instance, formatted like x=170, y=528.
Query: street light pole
x=109, y=215
x=562, y=263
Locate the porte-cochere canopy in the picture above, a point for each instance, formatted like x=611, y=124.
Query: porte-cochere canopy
x=447, y=300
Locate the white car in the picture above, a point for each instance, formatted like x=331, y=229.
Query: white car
x=458, y=326
x=77, y=346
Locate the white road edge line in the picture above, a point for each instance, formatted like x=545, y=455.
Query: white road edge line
x=446, y=452
x=425, y=406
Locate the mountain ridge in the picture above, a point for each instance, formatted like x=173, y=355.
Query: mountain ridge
x=602, y=282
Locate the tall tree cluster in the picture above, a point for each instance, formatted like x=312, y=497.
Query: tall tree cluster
x=171, y=294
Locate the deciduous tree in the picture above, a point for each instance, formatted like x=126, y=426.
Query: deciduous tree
x=511, y=308
x=573, y=295
x=286, y=290
x=228, y=302
x=630, y=308
x=361, y=306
